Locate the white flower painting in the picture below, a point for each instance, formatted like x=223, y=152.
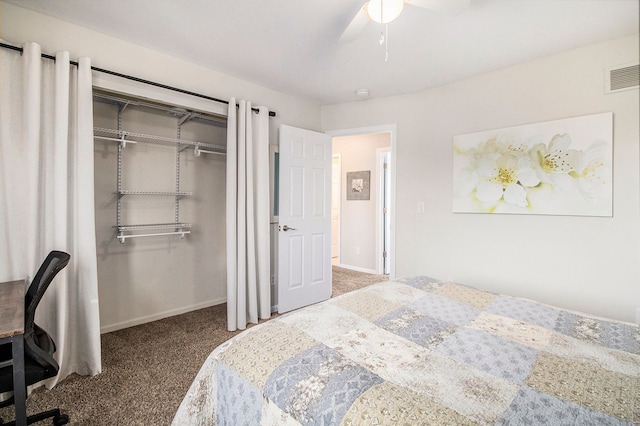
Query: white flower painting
x=561, y=167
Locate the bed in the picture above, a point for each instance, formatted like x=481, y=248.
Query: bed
x=418, y=351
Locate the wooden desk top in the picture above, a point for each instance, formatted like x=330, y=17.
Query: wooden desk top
x=12, y=308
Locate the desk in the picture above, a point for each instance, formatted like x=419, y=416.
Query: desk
x=12, y=330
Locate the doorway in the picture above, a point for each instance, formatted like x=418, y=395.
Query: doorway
x=365, y=227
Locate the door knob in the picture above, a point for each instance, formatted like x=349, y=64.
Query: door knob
x=287, y=228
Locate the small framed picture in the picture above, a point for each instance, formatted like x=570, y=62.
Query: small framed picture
x=358, y=185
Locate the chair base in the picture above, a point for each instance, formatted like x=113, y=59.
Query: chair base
x=58, y=418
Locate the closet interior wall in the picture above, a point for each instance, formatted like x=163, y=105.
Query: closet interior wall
x=149, y=278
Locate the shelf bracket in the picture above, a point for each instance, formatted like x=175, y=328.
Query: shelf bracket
x=185, y=118
x=124, y=141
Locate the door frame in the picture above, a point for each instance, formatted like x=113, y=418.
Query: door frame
x=381, y=230
x=391, y=129
x=339, y=157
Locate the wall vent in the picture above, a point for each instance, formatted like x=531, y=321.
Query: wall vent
x=623, y=77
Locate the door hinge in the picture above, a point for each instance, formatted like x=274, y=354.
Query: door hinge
x=385, y=166
x=384, y=210
x=384, y=254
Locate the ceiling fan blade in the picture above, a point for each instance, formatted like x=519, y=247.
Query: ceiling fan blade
x=356, y=26
x=450, y=7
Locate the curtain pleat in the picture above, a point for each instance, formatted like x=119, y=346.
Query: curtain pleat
x=231, y=218
x=248, y=241
x=46, y=157
x=250, y=215
x=262, y=216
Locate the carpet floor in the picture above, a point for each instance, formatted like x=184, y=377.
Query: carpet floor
x=147, y=369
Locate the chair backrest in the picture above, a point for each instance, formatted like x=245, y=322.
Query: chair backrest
x=54, y=263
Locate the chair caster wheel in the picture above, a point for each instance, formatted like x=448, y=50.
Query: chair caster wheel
x=60, y=420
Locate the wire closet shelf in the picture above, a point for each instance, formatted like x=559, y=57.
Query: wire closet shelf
x=123, y=138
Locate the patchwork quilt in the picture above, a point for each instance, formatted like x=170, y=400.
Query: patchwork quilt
x=418, y=351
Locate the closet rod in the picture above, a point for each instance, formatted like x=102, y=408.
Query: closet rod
x=122, y=238
x=137, y=79
x=197, y=151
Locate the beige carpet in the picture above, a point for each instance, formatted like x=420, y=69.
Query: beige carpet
x=147, y=369
x=346, y=280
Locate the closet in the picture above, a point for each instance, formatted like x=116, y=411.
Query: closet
x=160, y=208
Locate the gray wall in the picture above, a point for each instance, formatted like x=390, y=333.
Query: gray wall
x=583, y=263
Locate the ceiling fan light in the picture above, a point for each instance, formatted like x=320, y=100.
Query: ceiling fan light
x=384, y=11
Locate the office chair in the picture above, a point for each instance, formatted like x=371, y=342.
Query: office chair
x=39, y=363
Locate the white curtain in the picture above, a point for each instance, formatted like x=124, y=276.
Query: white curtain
x=46, y=199
x=248, y=246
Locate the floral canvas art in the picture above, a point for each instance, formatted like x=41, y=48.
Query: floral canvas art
x=561, y=167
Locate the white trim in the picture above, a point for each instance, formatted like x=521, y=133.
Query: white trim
x=386, y=128
x=273, y=149
x=379, y=206
x=339, y=157
x=357, y=268
x=160, y=315
x=123, y=86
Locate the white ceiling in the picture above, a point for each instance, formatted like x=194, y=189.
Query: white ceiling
x=293, y=45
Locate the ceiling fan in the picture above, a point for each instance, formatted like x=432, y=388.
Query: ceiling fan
x=385, y=11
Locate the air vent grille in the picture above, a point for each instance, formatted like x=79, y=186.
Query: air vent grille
x=623, y=78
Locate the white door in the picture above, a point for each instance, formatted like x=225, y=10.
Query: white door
x=304, y=230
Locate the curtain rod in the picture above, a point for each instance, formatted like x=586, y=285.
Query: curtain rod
x=137, y=79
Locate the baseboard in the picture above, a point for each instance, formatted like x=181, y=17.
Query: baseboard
x=357, y=268
x=160, y=315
